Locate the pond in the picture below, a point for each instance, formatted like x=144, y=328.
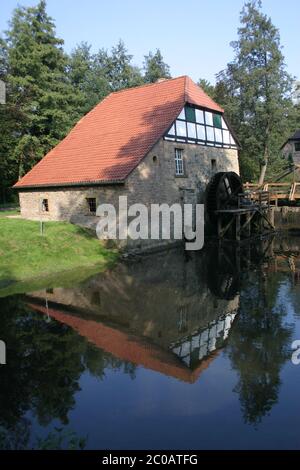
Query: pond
x=169, y=350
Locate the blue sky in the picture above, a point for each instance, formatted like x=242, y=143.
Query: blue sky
x=193, y=35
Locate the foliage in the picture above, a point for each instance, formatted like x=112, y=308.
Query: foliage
x=155, y=67
x=42, y=104
x=40, y=381
x=256, y=92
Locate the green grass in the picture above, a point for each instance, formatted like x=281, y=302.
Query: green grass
x=28, y=257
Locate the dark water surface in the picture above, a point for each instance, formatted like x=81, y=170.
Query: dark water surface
x=165, y=351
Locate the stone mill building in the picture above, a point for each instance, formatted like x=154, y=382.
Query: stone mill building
x=156, y=143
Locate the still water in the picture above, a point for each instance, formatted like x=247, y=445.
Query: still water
x=164, y=351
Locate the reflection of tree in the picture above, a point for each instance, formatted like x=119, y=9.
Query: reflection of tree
x=44, y=363
x=259, y=346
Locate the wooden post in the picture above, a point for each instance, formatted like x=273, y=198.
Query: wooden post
x=238, y=227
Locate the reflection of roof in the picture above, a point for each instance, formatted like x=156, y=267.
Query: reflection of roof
x=128, y=347
x=112, y=139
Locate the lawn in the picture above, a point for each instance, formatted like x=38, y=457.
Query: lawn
x=26, y=255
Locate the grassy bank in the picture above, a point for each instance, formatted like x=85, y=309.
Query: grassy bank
x=26, y=255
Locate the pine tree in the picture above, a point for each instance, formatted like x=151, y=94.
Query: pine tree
x=155, y=67
x=87, y=76
x=117, y=68
x=207, y=87
x=256, y=92
x=40, y=97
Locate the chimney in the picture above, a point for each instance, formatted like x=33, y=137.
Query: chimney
x=159, y=80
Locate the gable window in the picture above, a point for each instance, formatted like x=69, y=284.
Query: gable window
x=201, y=126
x=190, y=114
x=217, y=121
x=297, y=146
x=92, y=205
x=45, y=205
x=179, y=170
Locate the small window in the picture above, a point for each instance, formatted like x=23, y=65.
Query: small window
x=181, y=128
x=218, y=135
x=297, y=146
x=182, y=114
x=92, y=204
x=190, y=114
x=213, y=164
x=45, y=205
x=179, y=171
x=210, y=134
x=199, y=116
x=208, y=118
x=201, y=132
x=171, y=131
x=154, y=159
x=191, y=128
x=217, y=121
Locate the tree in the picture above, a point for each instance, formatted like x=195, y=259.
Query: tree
x=41, y=101
x=116, y=67
x=257, y=92
x=87, y=76
x=155, y=67
x=207, y=87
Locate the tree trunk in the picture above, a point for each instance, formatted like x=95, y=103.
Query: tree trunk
x=266, y=157
x=263, y=172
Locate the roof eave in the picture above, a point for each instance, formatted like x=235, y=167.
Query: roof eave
x=66, y=185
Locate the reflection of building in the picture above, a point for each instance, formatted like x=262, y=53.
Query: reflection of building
x=200, y=344
x=158, y=312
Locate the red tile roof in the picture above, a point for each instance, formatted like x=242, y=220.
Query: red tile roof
x=111, y=140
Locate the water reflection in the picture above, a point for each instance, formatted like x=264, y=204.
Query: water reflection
x=156, y=311
x=170, y=313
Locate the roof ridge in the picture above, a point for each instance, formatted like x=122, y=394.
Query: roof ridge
x=147, y=85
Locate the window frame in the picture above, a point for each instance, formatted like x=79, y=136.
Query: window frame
x=45, y=205
x=90, y=203
x=176, y=159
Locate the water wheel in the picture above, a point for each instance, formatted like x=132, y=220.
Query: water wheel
x=222, y=193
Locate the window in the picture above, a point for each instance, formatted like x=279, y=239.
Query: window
x=199, y=116
x=171, y=131
x=297, y=146
x=181, y=128
x=217, y=120
x=45, y=205
x=179, y=162
x=218, y=135
x=202, y=127
x=208, y=118
x=210, y=134
x=190, y=114
x=213, y=164
x=92, y=204
x=191, y=128
x=201, y=132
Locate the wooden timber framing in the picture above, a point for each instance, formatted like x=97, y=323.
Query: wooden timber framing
x=247, y=220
